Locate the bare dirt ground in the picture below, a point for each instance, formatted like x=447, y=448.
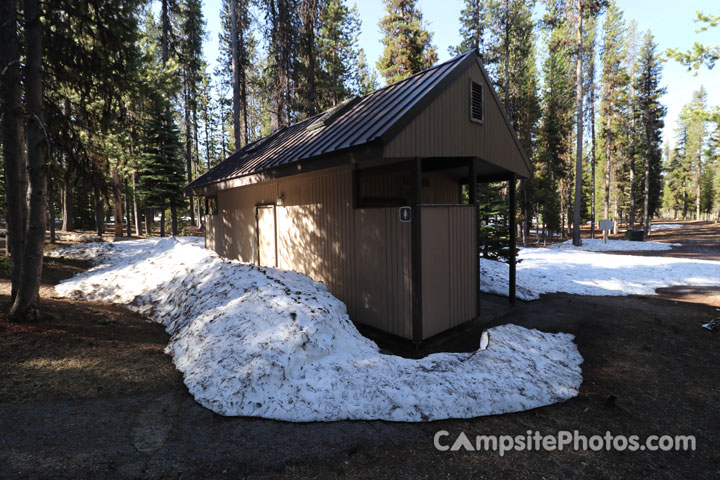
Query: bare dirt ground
x=88, y=393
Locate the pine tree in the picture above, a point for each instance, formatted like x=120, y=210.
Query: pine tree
x=693, y=120
x=590, y=91
x=613, y=102
x=24, y=306
x=504, y=34
x=472, y=28
x=556, y=125
x=583, y=8
x=650, y=114
x=337, y=53
x=12, y=143
x=408, y=43
x=280, y=30
x=365, y=78
x=190, y=59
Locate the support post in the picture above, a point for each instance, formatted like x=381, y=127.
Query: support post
x=416, y=253
x=513, y=235
x=473, y=200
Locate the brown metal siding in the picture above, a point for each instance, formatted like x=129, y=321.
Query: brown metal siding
x=444, y=129
x=363, y=256
x=383, y=271
x=449, y=280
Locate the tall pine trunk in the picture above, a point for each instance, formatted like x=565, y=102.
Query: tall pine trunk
x=173, y=221
x=698, y=188
x=631, y=216
x=578, y=160
x=188, y=146
x=12, y=140
x=646, y=189
x=99, y=210
x=51, y=208
x=136, y=212
x=235, y=72
x=117, y=204
x=592, y=150
x=68, y=220
x=127, y=207
x=24, y=307
x=148, y=221
x=608, y=167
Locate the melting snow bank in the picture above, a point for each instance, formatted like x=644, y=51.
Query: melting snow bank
x=275, y=344
x=597, y=245
x=553, y=270
x=665, y=226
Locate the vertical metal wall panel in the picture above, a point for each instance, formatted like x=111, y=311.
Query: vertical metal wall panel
x=382, y=269
x=448, y=253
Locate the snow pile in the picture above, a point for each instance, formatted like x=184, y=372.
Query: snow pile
x=275, y=344
x=665, y=226
x=552, y=270
x=89, y=251
x=597, y=245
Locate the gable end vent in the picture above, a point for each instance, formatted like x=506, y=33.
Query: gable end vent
x=476, y=102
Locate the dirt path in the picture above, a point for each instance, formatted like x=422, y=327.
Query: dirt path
x=649, y=370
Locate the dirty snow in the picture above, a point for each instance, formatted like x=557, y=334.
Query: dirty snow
x=552, y=270
x=665, y=226
x=597, y=245
x=275, y=344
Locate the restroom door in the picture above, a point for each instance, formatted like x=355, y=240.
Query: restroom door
x=266, y=235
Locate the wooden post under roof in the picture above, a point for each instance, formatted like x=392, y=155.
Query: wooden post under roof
x=416, y=254
x=473, y=200
x=513, y=239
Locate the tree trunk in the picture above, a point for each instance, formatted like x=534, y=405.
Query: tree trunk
x=698, y=186
x=12, y=141
x=117, y=203
x=608, y=166
x=148, y=221
x=174, y=220
x=188, y=145
x=507, y=57
x=24, y=308
x=162, y=222
x=68, y=219
x=51, y=208
x=99, y=209
x=165, y=26
x=136, y=212
x=578, y=159
x=631, y=219
x=592, y=167
x=235, y=72
x=127, y=207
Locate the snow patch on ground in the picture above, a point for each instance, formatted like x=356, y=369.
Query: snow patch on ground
x=597, y=245
x=553, y=270
x=275, y=344
x=665, y=226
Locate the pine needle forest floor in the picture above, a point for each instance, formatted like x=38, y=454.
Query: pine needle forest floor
x=87, y=392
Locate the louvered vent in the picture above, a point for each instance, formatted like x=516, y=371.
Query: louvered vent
x=476, y=102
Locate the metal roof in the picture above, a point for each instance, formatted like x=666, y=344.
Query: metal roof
x=359, y=121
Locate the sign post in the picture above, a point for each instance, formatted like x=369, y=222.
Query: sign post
x=605, y=226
